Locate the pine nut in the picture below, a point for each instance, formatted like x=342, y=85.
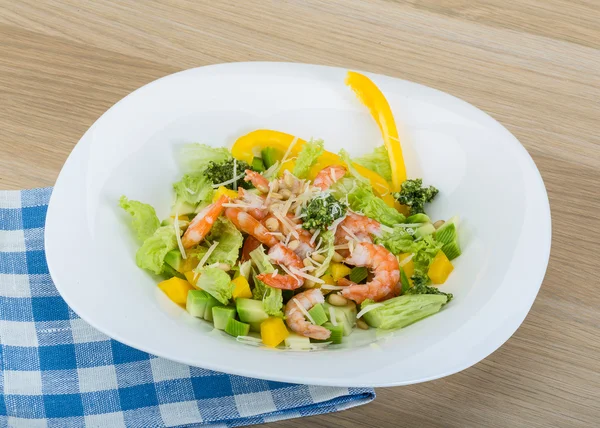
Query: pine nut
x=288, y=179
x=275, y=195
x=362, y=325
x=438, y=224
x=285, y=194
x=337, y=257
x=319, y=258
x=307, y=262
x=223, y=266
x=309, y=284
x=337, y=300
x=274, y=185
x=272, y=224
x=294, y=244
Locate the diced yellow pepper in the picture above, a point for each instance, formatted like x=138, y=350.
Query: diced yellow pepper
x=273, y=331
x=339, y=270
x=372, y=97
x=176, y=289
x=328, y=280
x=241, y=288
x=181, y=217
x=440, y=268
x=192, y=277
x=224, y=191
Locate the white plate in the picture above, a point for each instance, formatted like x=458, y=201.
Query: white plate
x=483, y=173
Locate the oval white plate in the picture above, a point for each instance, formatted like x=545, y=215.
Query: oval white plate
x=483, y=173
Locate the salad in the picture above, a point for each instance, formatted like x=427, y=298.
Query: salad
x=279, y=242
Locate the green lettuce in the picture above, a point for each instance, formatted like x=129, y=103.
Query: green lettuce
x=377, y=161
x=230, y=241
x=196, y=157
x=424, y=251
x=328, y=243
x=397, y=241
x=308, y=157
x=193, y=189
x=144, y=220
x=401, y=311
x=217, y=283
x=362, y=199
x=272, y=298
x=151, y=254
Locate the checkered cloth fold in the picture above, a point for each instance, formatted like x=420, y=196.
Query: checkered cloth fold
x=57, y=371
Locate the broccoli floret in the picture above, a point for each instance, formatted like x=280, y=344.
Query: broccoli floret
x=415, y=196
x=420, y=288
x=321, y=211
x=223, y=171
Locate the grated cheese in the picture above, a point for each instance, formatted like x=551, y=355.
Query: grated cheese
x=230, y=181
x=314, y=236
x=406, y=260
x=303, y=310
x=289, y=149
x=178, y=236
x=367, y=309
x=307, y=276
x=350, y=234
x=332, y=287
x=208, y=253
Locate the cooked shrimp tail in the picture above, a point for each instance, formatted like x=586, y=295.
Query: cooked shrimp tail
x=248, y=224
x=329, y=175
x=385, y=269
x=283, y=256
x=295, y=317
x=202, y=223
x=257, y=180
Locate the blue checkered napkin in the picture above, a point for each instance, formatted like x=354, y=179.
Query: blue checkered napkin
x=57, y=371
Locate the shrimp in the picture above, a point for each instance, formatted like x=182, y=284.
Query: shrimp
x=248, y=224
x=329, y=175
x=257, y=207
x=282, y=255
x=385, y=269
x=202, y=223
x=294, y=317
x=259, y=181
x=358, y=225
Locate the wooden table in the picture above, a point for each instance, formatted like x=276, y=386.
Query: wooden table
x=534, y=65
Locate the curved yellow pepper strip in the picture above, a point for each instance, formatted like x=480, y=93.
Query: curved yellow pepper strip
x=249, y=145
x=370, y=95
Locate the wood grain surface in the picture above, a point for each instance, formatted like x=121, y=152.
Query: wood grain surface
x=532, y=64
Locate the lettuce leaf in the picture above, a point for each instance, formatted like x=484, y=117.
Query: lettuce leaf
x=424, y=252
x=328, y=242
x=144, y=220
x=230, y=241
x=193, y=189
x=398, y=312
x=272, y=298
x=398, y=241
x=362, y=199
x=308, y=157
x=377, y=161
x=151, y=254
x=194, y=158
x=217, y=283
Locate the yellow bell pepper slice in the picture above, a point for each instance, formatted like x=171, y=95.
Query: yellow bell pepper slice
x=440, y=268
x=224, y=191
x=176, y=289
x=409, y=267
x=370, y=95
x=250, y=145
x=273, y=331
x=241, y=288
x=192, y=277
x=339, y=270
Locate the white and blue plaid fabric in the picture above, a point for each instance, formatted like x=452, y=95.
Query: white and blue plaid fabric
x=57, y=371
